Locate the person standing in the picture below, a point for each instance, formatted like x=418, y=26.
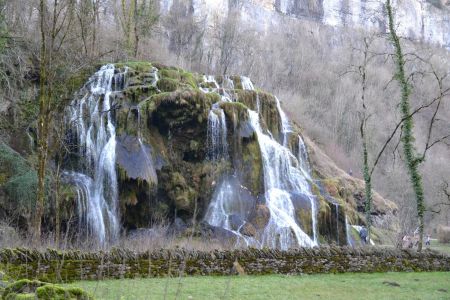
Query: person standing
x=428, y=240
x=363, y=234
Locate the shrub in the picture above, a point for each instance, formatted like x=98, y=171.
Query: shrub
x=444, y=234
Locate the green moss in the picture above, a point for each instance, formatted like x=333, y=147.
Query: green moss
x=189, y=79
x=237, y=82
x=169, y=76
x=77, y=80
x=55, y=292
x=140, y=66
x=180, y=193
x=170, y=73
x=28, y=296
x=168, y=84
x=137, y=93
x=304, y=217
x=212, y=97
x=252, y=165
x=235, y=111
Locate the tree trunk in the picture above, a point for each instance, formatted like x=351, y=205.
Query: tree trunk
x=412, y=161
x=42, y=129
x=367, y=180
x=136, y=29
x=57, y=207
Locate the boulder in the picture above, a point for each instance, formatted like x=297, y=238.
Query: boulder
x=260, y=217
x=235, y=222
x=248, y=229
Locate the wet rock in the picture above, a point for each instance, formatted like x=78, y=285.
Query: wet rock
x=136, y=159
x=248, y=229
x=179, y=192
x=235, y=222
x=260, y=216
x=209, y=231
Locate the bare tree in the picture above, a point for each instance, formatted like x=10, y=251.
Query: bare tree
x=412, y=157
x=55, y=25
x=184, y=30
x=136, y=19
x=227, y=40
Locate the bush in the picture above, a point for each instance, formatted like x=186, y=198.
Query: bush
x=444, y=234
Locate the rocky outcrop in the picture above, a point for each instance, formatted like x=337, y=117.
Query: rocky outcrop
x=340, y=185
x=172, y=161
x=421, y=20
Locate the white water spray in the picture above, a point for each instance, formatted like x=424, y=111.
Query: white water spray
x=92, y=120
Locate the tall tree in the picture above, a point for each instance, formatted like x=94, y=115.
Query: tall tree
x=411, y=158
x=136, y=21
x=3, y=29
x=42, y=124
x=55, y=24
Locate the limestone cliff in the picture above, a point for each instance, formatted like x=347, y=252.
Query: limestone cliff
x=422, y=20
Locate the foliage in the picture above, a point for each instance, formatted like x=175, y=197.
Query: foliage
x=444, y=234
x=18, y=179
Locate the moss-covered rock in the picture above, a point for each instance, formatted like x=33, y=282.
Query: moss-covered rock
x=34, y=289
x=260, y=217
x=161, y=113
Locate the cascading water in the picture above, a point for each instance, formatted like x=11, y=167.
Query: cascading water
x=229, y=208
x=92, y=119
x=337, y=222
x=284, y=178
x=217, y=134
x=303, y=157
x=247, y=84
x=150, y=170
x=347, y=231
x=281, y=179
x=286, y=128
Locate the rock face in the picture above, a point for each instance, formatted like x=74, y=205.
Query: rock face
x=215, y=149
x=424, y=20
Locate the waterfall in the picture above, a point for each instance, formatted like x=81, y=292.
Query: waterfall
x=217, y=135
x=91, y=117
x=150, y=170
x=337, y=222
x=286, y=128
x=247, y=84
x=305, y=167
x=347, y=231
x=281, y=179
x=229, y=209
x=285, y=178
x=303, y=157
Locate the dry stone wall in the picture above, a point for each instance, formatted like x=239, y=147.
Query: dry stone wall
x=55, y=266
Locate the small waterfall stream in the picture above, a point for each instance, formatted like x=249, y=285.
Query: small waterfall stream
x=337, y=222
x=217, y=134
x=92, y=121
x=150, y=170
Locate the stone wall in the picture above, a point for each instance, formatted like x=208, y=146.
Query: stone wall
x=54, y=266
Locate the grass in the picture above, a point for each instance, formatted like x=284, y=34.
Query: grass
x=441, y=247
x=347, y=286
